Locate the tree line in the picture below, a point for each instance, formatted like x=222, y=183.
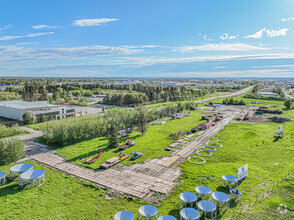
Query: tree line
x=65, y=132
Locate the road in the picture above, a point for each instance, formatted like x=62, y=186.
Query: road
x=240, y=92
x=288, y=96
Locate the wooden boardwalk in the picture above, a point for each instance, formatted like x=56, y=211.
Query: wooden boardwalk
x=137, y=180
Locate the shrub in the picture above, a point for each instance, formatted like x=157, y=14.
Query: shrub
x=11, y=150
x=9, y=131
x=288, y=103
x=28, y=119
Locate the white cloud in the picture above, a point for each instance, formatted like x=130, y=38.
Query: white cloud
x=93, y=22
x=153, y=61
x=226, y=36
x=42, y=26
x=276, y=33
x=20, y=53
x=24, y=36
x=5, y=27
x=237, y=73
x=287, y=19
x=258, y=34
x=220, y=47
x=269, y=33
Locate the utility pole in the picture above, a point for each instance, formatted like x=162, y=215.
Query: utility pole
x=47, y=130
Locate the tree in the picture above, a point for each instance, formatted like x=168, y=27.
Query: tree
x=112, y=138
x=50, y=100
x=242, y=102
x=27, y=118
x=142, y=122
x=56, y=97
x=288, y=103
x=69, y=98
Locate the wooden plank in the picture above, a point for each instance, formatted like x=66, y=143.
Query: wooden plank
x=170, y=161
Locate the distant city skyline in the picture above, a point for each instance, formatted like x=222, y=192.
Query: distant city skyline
x=166, y=38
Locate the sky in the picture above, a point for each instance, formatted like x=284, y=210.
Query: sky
x=147, y=38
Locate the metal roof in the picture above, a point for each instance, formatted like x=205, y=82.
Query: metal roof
x=25, y=104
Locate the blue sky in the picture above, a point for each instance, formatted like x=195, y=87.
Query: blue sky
x=154, y=38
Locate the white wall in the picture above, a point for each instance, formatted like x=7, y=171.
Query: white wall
x=12, y=113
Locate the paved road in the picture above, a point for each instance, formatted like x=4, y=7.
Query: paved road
x=240, y=92
x=288, y=96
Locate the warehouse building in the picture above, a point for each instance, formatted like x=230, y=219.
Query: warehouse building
x=269, y=94
x=41, y=110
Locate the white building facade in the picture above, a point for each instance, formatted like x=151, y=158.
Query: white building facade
x=16, y=109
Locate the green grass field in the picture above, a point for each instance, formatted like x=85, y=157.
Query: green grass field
x=152, y=144
x=267, y=193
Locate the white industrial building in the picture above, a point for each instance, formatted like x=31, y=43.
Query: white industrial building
x=269, y=94
x=16, y=109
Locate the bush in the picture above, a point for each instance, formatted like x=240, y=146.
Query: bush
x=9, y=131
x=11, y=150
x=288, y=103
x=28, y=119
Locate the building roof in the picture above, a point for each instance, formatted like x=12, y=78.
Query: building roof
x=25, y=104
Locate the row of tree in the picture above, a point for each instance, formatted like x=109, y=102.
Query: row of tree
x=66, y=132
x=151, y=97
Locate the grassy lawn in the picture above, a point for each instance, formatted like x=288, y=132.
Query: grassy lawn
x=152, y=144
x=269, y=160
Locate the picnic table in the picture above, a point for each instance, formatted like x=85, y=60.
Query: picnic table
x=18, y=169
x=220, y=197
x=32, y=176
x=203, y=191
x=189, y=214
x=188, y=197
x=148, y=211
x=207, y=207
x=166, y=217
x=229, y=179
x=124, y=215
x=2, y=178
